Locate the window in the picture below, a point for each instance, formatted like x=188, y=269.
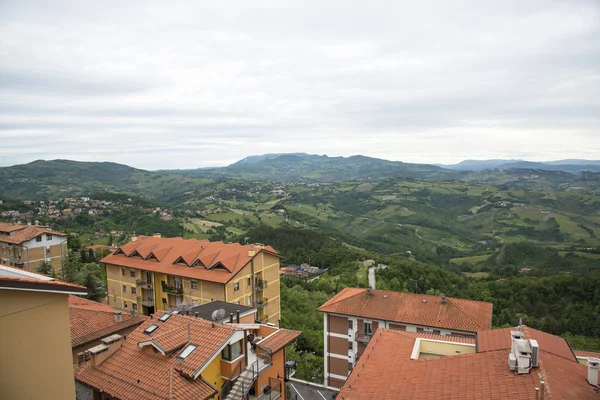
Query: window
x=123, y=271
x=165, y=317
x=164, y=300
x=132, y=273
x=368, y=329
x=350, y=345
x=194, y=284
x=124, y=289
x=186, y=352
x=150, y=329
x=47, y=251
x=349, y=367
x=232, y=351
x=134, y=305
x=350, y=324
x=48, y=237
x=38, y=239
x=125, y=304
x=236, y=286
x=133, y=290
x=249, y=282
x=249, y=300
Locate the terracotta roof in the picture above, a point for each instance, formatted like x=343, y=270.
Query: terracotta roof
x=423, y=335
x=132, y=372
x=417, y=309
x=385, y=371
x=278, y=340
x=8, y=227
x=33, y=284
x=191, y=258
x=91, y=320
x=499, y=339
x=25, y=233
x=583, y=353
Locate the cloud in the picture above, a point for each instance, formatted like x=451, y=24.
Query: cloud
x=185, y=85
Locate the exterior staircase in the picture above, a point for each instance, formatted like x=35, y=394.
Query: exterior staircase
x=243, y=383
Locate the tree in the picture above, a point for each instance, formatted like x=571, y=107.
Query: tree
x=45, y=268
x=95, y=290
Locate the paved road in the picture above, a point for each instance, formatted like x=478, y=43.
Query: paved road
x=306, y=392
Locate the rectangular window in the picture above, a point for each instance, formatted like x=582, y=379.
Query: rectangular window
x=48, y=237
x=124, y=289
x=134, y=305
x=194, y=284
x=164, y=300
x=350, y=324
x=368, y=329
x=38, y=239
x=47, y=251
x=249, y=300
x=350, y=347
x=232, y=351
x=133, y=290
x=165, y=317
x=125, y=304
x=187, y=351
x=236, y=286
x=123, y=271
x=150, y=329
x=349, y=367
x=132, y=273
x=249, y=282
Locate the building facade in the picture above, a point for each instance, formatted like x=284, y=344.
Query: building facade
x=352, y=316
x=35, y=339
x=151, y=274
x=27, y=246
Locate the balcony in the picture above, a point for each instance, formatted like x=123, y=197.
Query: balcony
x=15, y=260
x=148, y=302
x=174, y=290
x=260, y=284
x=262, y=303
x=364, y=338
x=143, y=284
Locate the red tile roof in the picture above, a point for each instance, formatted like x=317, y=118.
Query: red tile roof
x=431, y=336
x=132, y=372
x=417, y=309
x=191, y=258
x=278, y=340
x=7, y=282
x=385, y=371
x=23, y=233
x=91, y=320
x=583, y=353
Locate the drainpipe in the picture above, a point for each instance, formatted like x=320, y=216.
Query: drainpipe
x=253, y=283
x=62, y=265
x=27, y=252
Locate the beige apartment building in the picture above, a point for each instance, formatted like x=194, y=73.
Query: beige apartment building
x=28, y=246
x=151, y=274
x=352, y=316
x=35, y=338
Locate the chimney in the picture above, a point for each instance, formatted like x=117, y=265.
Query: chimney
x=251, y=252
x=593, y=366
x=196, y=314
x=80, y=358
x=118, y=316
x=156, y=235
x=133, y=237
x=109, y=345
x=443, y=299
x=369, y=294
x=231, y=318
x=237, y=316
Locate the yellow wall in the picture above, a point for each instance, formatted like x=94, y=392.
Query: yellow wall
x=212, y=374
x=35, y=346
x=445, y=348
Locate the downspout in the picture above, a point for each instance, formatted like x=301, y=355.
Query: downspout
x=62, y=265
x=27, y=252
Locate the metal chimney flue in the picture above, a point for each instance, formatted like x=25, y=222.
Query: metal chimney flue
x=231, y=318
x=237, y=316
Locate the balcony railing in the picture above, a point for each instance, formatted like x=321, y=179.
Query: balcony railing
x=148, y=302
x=178, y=291
x=15, y=260
x=261, y=284
x=262, y=303
x=364, y=338
x=143, y=284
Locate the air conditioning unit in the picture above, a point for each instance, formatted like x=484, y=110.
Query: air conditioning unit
x=512, y=362
x=535, y=353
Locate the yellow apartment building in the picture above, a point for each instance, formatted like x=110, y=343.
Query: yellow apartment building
x=36, y=340
x=28, y=246
x=151, y=274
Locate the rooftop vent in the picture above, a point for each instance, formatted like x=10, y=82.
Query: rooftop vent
x=444, y=299
x=369, y=294
x=593, y=366
x=535, y=353
x=424, y=300
x=385, y=296
x=118, y=316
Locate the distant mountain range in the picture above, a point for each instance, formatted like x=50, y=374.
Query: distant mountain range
x=63, y=178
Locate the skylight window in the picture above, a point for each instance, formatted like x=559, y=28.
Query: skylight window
x=164, y=317
x=175, y=313
x=186, y=352
x=150, y=329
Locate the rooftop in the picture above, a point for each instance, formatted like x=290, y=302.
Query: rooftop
x=191, y=258
x=91, y=320
x=17, y=234
x=481, y=375
x=410, y=308
x=17, y=279
x=206, y=310
x=132, y=372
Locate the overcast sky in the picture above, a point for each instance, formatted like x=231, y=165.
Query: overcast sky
x=206, y=83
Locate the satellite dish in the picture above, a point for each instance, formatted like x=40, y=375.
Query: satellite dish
x=218, y=315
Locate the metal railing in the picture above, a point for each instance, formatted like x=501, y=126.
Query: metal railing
x=273, y=390
x=147, y=303
x=143, y=284
x=261, y=284
x=178, y=291
x=262, y=303
x=242, y=384
x=364, y=337
x=228, y=385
